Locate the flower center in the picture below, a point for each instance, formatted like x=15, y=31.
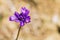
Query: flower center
x=21, y=18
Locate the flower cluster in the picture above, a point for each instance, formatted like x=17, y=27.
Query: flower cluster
x=22, y=18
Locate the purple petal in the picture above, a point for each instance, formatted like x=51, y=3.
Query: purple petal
x=12, y=18
x=24, y=11
x=16, y=14
x=20, y=16
x=17, y=20
x=27, y=20
x=21, y=23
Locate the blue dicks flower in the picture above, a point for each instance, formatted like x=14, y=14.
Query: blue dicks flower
x=22, y=18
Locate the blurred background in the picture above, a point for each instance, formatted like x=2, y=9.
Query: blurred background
x=45, y=20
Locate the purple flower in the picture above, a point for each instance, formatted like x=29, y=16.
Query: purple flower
x=22, y=18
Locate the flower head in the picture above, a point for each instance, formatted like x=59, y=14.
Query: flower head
x=22, y=18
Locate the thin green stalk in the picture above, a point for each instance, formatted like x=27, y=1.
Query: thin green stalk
x=18, y=33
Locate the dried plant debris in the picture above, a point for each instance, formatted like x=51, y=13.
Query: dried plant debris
x=1, y=17
x=58, y=29
x=31, y=2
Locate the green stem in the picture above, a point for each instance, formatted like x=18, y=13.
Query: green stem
x=18, y=33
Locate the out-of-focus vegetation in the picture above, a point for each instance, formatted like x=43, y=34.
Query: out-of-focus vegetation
x=45, y=20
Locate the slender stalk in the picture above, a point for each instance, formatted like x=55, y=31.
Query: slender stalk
x=18, y=33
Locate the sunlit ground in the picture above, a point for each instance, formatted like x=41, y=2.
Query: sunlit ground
x=45, y=20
